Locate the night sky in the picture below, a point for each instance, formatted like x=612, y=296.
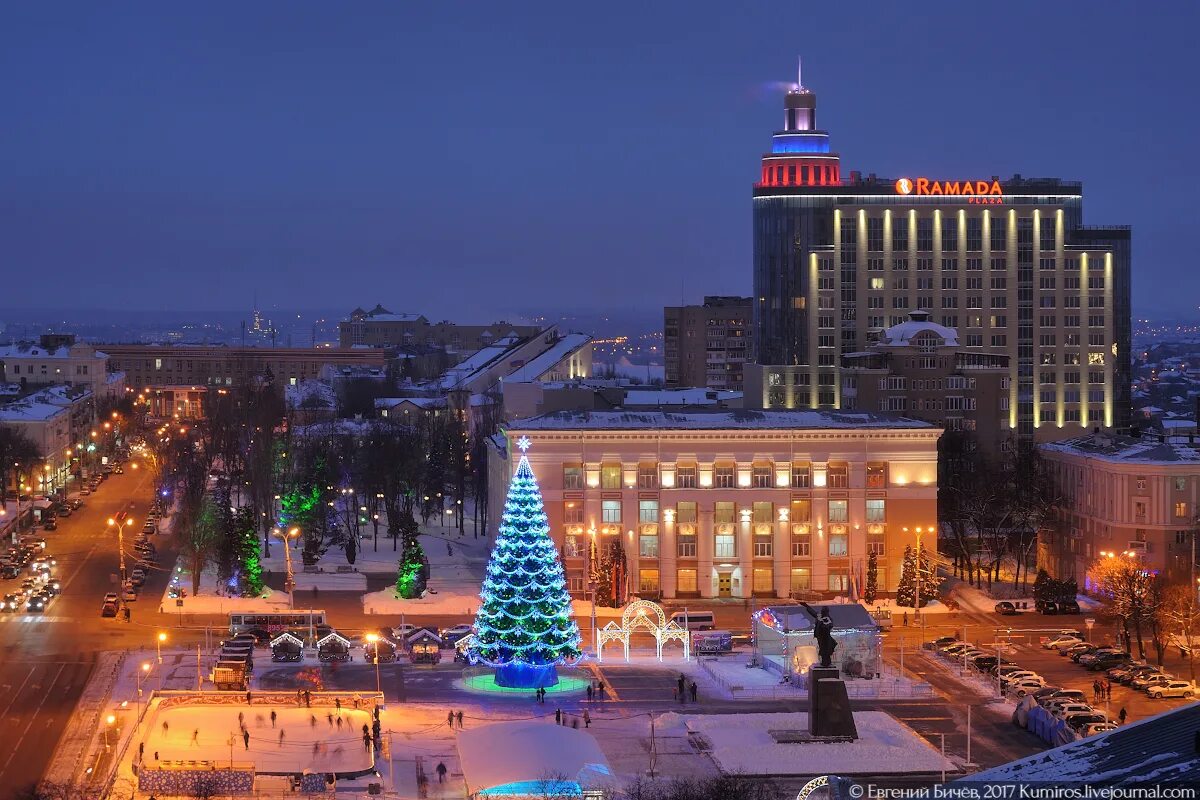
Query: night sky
x=469, y=160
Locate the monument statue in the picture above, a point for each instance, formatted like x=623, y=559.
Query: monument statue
x=823, y=633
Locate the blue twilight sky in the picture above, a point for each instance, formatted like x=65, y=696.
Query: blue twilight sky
x=469, y=160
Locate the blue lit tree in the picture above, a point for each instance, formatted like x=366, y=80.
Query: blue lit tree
x=524, y=627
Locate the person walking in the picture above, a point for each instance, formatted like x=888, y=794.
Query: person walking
x=249, y=698
x=312, y=721
x=450, y=719
x=1096, y=689
x=1122, y=714
x=458, y=717
x=164, y=729
x=246, y=738
x=441, y=771
x=590, y=691
x=558, y=716
x=681, y=682
x=906, y=618
x=367, y=742
x=337, y=701
x=694, y=690
x=1108, y=690
x=281, y=737
x=272, y=718
x=196, y=737
x=241, y=720
x=339, y=723
x=587, y=718
x=329, y=717
x=600, y=688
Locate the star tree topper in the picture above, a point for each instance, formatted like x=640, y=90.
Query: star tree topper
x=523, y=443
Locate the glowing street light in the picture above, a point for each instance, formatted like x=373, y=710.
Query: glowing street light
x=162, y=637
x=373, y=638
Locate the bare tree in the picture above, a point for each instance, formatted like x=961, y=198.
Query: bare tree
x=1180, y=613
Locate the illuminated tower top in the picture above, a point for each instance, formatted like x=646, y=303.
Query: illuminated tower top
x=800, y=153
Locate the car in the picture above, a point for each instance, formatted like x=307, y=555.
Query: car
x=50, y=525
x=77, y=504
x=1093, y=728
x=10, y=570
x=110, y=597
x=1062, y=642
x=1144, y=672
x=85, y=491
x=452, y=635
x=1082, y=647
x=1090, y=658
x=64, y=511
x=1125, y=672
x=986, y=662
x=109, y=609
x=129, y=594
x=1108, y=661
x=1012, y=680
x=53, y=587
x=1024, y=686
x=33, y=542
x=1172, y=688
x=1079, y=721
x=145, y=547
x=1005, y=669
x=1061, y=696
x=1007, y=609
x=1145, y=681
x=1047, y=607
x=118, y=469
x=137, y=577
x=35, y=604
x=399, y=632
x=11, y=603
x=1068, y=607
x=1078, y=655
x=955, y=649
x=1064, y=710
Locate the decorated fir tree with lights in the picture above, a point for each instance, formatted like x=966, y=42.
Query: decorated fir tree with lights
x=872, y=590
x=906, y=590
x=524, y=627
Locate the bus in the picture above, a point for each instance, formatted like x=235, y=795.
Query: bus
x=274, y=622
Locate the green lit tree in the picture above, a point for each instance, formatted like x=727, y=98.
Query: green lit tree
x=413, y=571
x=249, y=559
x=872, y=590
x=524, y=626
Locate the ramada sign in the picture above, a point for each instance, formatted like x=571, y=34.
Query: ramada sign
x=988, y=192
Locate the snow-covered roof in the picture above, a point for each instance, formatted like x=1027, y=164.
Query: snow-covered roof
x=29, y=350
x=1159, y=749
x=560, y=350
x=710, y=419
x=29, y=410
x=521, y=755
x=919, y=322
x=679, y=397
x=1149, y=449
x=287, y=637
x=315, y=393
x=844, y=616
x=427, y=403
x=334, y=636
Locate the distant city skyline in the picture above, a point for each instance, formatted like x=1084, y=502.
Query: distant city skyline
x=182, y=158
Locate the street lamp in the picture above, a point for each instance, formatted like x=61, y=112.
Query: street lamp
x=109, y=720
x=162, y=637
x=145, y=668
x=290, y=582
x=120, y=526
x=373, y=638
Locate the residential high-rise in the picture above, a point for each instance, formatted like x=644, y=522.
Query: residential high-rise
x=1009, y=264
x=707, y=345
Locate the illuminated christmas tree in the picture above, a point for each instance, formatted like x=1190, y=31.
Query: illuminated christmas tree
x=524, y=627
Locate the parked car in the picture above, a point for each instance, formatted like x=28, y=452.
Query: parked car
x=1093, y=728
x=64, y=511
x=1046, y=607
x=939, y=643
x=129, y=594
x=1006, y=608
x=1062, y=642
x=1145, y=681
x=1019, y=675
x=1026, y=685
x=1064, y=710
x=1060, y=696
x=452, y=635
x=109, y=609
x=1090, y=658
x=1080, y=721
x=50, y=525
x=1141, y=671
x=110, y=597
x=1172, y=688
x=1108, y=661
x=1082, y=647
x=1068, y=607
x=138, y=577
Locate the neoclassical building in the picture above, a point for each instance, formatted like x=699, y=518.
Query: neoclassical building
x=731, y=503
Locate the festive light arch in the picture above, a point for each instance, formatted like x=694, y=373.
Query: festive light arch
x=647, y=615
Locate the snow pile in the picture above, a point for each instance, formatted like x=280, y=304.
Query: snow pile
x=742, y=743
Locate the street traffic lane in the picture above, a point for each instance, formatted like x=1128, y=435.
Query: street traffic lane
x=35, y=713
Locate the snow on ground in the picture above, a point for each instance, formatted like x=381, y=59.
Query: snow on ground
x=343, y=749
x=742, y=743
x=209, y=602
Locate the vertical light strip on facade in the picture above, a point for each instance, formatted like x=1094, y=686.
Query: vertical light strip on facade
x=1010, y=255
x=813, y=283
x=1109, y=357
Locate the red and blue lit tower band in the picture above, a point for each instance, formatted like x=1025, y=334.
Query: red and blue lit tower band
x=524, y=626
x=800, y=153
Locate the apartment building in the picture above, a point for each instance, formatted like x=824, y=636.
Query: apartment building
x=379, y=327
x=730, y=503
x=1122, y=494
x=58, y=359
x=708, y=345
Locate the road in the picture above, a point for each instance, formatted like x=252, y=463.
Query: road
x=46, y=659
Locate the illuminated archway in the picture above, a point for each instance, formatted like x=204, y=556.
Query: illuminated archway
x=643, y=615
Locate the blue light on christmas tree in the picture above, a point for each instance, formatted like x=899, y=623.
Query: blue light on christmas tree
x=524, y=627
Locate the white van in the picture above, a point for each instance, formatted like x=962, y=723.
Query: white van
x=695, y=620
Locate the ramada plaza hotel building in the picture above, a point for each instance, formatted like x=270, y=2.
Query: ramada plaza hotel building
x=721, y=503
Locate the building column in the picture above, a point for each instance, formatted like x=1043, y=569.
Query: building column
x=745, y=550
x=704, y=554
x=783, y=558
x=666, y=555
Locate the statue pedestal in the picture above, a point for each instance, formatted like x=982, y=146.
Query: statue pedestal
x=829, y=712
